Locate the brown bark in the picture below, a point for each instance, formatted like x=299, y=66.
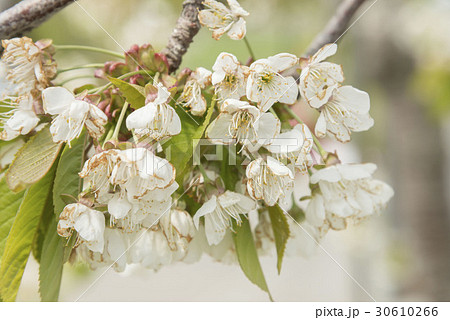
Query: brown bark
x=186, y=28
x=28, y=14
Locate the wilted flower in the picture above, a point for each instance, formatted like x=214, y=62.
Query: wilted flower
x=229, y=77
x=25, y=67
x=346, y=192
x=295, y=145
x=347, y=110
x=266, y=85
x=115, y=251
x=241, y=122
x=218, y=212
x=71, y=115
x=191, y=97
x=156, y=119
x=318, y=79
x=134, y=183
x=268, y=180
x=89, y=223
x=220, y=20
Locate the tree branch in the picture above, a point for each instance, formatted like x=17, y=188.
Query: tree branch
x=186, y=28
x=336, y=26
x=28, y=14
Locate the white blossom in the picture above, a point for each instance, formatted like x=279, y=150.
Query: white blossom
x=71, y=115
x=347, y=110
x=115, y=251
x=156, y=119
x=319, y=79
x=240, y=122
x=218, y=212
x=220, y=20
x=20, y=119
x=268, y=180
x=89, y=223
x=25, y=72
x=191, y=97
x=347, y=192
x=229, y=77
x=265, y=84
x=134, y=183
x=295, y=145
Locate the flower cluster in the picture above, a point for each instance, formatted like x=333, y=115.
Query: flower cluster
x=148, y=193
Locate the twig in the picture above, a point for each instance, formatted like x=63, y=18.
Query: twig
x=27, y=15
x=336, y=26
x=186, y=28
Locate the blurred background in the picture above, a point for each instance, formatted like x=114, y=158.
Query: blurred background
x=399, y=52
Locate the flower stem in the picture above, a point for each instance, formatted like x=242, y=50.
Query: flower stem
x=320, y=149
x=119, y=121
x=87, y=66
x=249, y=48
x=92, y=49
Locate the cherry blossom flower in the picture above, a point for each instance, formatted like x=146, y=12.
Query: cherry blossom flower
x=25, y=70
x=265, y=84
x=89, y=223
x=134, y=183
x=20, y=119
x=115, y=251
x=191, y=97
x=71, y=115
x=218, y=212
x=229, y=77
x=156, y=119
x=347, y=192
x=243, y=123
x=319, y=79
x=295, y=145
x=220, y=20
x=268, y=180
x=347, y=110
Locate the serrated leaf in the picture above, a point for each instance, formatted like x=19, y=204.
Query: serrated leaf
x=248, y=256
x=51, y=266
x=281, y=232
x=54, y=251
x=67, y=181
x=133, y=94
x=181, y=146
x=47, y=218
x=9, y=205
x=20, y=238
x=32, y=161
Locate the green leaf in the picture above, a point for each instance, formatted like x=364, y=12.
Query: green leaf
x=229, y=172
x=54, y=250
x=281, y=232
x=9, y=204
x=20, y=238
x=133, y=94
x=32, y=161
x=47, y=218
x=181, y=146
x=51, y=267
x=248, y=256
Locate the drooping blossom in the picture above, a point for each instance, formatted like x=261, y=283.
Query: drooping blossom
x=220, y=19
x=229, y=77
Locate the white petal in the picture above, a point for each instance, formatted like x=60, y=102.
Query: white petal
x=237, y=30
x=290, y=92
x=214, y=232
x=315, y=211
x=56, y=99
x=118, y=206
x=326, y=51
x=218, y=131
x=141, y=117
x=283, y=61
x=207, y=208
x=321, y=126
